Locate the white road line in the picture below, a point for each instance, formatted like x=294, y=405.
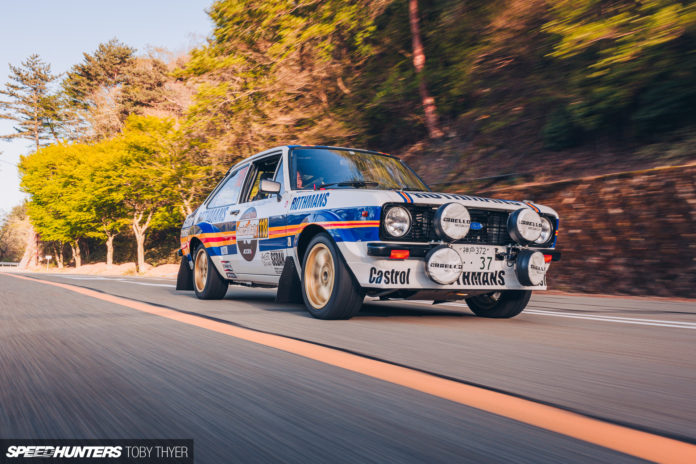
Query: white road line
x=620, y=320
x=590, y=317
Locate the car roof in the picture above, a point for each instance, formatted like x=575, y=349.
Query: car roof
x=281, y=147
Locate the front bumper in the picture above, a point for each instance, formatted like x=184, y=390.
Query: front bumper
x=380, y=249
x=373, y=269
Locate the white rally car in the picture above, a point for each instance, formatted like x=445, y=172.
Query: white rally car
x=329, y=225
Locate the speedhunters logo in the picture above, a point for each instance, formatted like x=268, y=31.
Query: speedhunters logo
x=97, y=451
x=57, y=452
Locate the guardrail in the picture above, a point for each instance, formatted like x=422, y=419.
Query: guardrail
x=8, y=264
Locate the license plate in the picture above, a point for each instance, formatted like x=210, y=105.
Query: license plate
x=477, y=258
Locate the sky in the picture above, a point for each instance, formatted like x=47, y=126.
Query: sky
x=60, y=31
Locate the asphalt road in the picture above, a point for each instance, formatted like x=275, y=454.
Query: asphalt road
x=75, y=366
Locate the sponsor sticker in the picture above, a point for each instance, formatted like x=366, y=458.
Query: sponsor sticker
x=390, y=276
x=229, y=271
x=317, y=200
x=249, y=230
x=482, y=279
x=263, y=228
x=213, y=216
x=274, y=259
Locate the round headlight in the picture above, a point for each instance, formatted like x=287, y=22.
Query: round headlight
x=397, y=221
x=524, y=226
x=530, y=268
x=452, y=221
x=546, y=229
x=443, y=265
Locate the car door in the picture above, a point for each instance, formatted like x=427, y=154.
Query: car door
x=261, y=240
x=217, y=221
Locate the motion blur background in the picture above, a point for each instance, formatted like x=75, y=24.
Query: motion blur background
x=587, y=106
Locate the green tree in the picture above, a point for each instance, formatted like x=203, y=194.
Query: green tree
x=98, y=72
x=151, y=177
x=632, y=62
x=276, y=72
x=30, y=103
x=54, y=177
x=14, y=233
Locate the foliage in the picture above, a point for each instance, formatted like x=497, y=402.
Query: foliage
x=111, y=84
x=32, y=106
x=274, y=73
x=512, y=79
x=14, y=231
x=633, y=63
x=140, y=179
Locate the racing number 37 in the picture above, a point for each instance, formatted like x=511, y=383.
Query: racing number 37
x=486, y=263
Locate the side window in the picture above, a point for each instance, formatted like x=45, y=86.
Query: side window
x=264, y=169
x=228, y=193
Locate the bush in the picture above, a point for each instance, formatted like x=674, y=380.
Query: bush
x=560, y=132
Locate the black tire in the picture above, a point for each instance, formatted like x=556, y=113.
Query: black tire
x=214, y=287
x=499, y=305
x=344, y=298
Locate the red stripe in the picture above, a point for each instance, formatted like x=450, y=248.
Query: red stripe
x=217, y=239
x=533, y=207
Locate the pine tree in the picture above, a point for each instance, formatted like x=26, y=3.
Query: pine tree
x=111, y=84
x=31, y=104
x=98, y=73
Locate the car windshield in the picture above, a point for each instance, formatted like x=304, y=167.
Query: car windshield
x=316, y=168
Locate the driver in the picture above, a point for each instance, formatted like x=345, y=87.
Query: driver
x=299, y=180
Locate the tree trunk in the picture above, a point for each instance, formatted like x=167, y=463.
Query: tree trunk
x=36, y=121
x=140, y=240
x=30, y=258
x=77, y=256
x=429, y=107
x=58, y=250
x=110, y=250
x=186, y=207
x=139, y=232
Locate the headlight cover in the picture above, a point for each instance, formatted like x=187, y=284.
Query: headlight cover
x=546, y=230
x=530, y=268
x=443, y=265
x=452, y=221
x=524, y=226
x=397, y=221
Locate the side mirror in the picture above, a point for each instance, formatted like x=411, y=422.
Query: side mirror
x=269, y=186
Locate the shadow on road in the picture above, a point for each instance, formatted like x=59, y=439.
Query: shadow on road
x=381, y=310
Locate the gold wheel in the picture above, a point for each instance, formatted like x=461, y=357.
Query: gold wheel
x=200, y=271
x=319, y=275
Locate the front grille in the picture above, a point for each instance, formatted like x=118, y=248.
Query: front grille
x=493, y=232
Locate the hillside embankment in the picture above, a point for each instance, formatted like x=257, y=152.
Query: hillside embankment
x=629, y=233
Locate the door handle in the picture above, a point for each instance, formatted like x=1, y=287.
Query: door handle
x=233, y=213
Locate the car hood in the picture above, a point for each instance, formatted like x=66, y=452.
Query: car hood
x=366, y=196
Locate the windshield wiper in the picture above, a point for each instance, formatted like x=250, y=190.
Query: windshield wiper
x=349, y=183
